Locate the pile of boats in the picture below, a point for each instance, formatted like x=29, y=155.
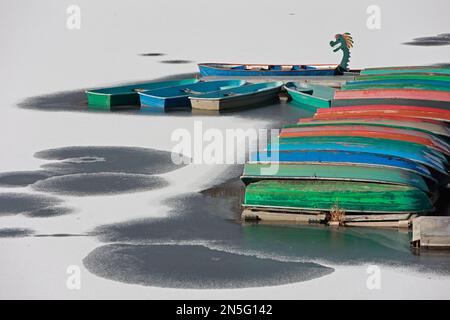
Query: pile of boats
x=186, y=94
x=375, y=152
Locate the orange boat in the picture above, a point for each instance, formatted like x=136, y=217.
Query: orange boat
x=369, y=132
x=388, y=110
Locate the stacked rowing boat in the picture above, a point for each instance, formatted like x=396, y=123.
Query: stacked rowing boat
x=377, y=155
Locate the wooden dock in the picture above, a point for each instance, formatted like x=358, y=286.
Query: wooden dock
x=400, y=221
x=431, y=232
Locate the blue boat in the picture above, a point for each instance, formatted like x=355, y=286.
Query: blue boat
x=177, y=98
x=341, y=156
x=428, y=159
x=269, y=70
x=239, y=97
x=122, y=97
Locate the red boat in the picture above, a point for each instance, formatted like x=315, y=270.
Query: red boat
x=422, y=125
x=393, y=94
x=382, y=110
x=375, y=118
x=369, y=132
x=409, y=97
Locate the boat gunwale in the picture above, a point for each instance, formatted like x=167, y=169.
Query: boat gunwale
x=438, y=130
x=432, y=139
x=337, y=179
x=406, y=67
x=359, y=164
x=264, y=90
x=145, y=93
x=393, y=93
x=94, y=91
x=216, y=65
x=430, y=143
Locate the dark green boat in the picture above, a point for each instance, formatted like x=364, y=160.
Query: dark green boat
x=350, y=197
x=123, y=97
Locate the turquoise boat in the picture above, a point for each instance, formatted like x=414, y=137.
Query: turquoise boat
x=310, y=94
x=406, y=69
x=122, y=97
x=337, y=172
x=334, y=155
x=177, y=98
x=238, y=97
x=437, y=165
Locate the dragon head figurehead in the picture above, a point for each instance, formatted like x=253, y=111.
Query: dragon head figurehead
x=343, y=42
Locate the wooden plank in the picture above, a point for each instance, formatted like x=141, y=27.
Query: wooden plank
x=376, y=217
x=377, y=224
x=248, y=214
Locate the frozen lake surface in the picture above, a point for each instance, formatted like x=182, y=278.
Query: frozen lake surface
x=98, y=191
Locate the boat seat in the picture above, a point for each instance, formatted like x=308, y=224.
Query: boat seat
x=187, y=90
x=257, y=68
x=281, y=67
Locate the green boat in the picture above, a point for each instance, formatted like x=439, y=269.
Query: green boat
x=396, y=85
x=122, y=97
x=337, y=172
x=406, y=69
x=310, y=94
x=406, y=76
x=325, y=196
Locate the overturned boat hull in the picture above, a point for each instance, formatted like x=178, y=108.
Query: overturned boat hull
x=387, y=110
x=439, y=129
x=367, y=131
x=406, y=70
x=337, y=172
x=325, y=196
x=408, y=97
